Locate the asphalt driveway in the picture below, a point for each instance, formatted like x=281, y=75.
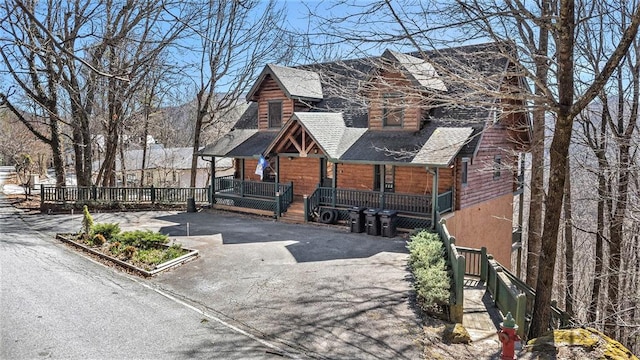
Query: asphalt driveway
x=312, y=291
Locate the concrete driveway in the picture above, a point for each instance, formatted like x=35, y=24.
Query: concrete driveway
x=318, y=291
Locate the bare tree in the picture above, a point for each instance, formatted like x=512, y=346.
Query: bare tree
x=29, y=59
x=235, y=39
x=551, y=68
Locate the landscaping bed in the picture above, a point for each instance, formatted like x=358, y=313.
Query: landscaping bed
x=142, y=252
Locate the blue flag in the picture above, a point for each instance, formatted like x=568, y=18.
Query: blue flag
x=262, y=165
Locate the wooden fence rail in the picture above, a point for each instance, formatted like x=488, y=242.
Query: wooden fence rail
x=153, y=195
x=509, y=293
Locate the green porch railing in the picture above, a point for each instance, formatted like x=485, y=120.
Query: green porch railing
x=445, y=202
x=253, y=194
x=406, y=203
x=78, y=194
x=510, y=294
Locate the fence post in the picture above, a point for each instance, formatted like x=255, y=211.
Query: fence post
x=277, y=211
x=153, y=194
x=457, y=309
x=94, y=193
x=305, y=201
x=484, y=263
x=41, y=195
x=521, y=309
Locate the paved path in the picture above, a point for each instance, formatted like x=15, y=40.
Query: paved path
x=481, y=318
x=308, y=291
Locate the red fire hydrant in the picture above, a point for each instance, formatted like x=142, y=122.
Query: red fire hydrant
x=508, y=337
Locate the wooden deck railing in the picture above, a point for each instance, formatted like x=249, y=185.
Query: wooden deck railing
x=405, y=203
x=510, y=294
x=257, y=195
x=78, y=194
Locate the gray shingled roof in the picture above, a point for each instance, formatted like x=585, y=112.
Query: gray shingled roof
x=419, y=70
x=329, y=132
x=228, y=142
x=253, y=146
x=296, y=83
x=442, y=146
x=159, y=157
x=341, y=78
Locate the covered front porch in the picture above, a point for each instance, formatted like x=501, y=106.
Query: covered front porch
x=278, y=199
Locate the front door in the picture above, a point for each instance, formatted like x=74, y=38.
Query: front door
x=326, y=173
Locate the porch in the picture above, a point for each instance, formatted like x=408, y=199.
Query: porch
x=275, y=199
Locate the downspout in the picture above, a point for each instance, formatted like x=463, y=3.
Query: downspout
x=434, y=196
x=520, y=214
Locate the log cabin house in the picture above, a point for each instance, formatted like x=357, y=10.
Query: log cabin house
x=389, y=132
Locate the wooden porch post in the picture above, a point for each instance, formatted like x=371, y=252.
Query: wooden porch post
x=383, y=171
x=434, y=197
x=213, y=181
x=242, y=177
x=277, y=180
x=334, y=184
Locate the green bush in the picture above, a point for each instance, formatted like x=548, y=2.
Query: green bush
x=172, y=252
x=158, y=256
x=142, y=239
x=108, y=230
x=115, y=248
x=427, y=262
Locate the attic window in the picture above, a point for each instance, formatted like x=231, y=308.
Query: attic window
x=497, y=166
x=392, y=110
x=275, y=114
x=465, y=171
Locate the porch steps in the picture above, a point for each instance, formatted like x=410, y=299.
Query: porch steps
x=294, y=214
x=243, y=210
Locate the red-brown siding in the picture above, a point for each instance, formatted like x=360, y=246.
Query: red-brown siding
x=481, y=184
x=395, y=82
x=355, y=176
x=303, y=172
x=269, y=91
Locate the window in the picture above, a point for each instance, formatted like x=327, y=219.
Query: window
x=275, y=114
x=388, y=176
x=497, y=164
x=465, y=171
x=392, y=110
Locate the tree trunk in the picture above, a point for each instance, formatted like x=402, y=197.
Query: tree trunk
x=568, y=239
x=196, y=147
x=534, y=231
x=559, y=151
x=58, y=159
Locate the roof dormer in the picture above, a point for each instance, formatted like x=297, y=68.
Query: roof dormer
x=295, y=83
x=419, y=71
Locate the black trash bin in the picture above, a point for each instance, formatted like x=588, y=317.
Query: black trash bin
x=372, y=222
x=191, y=205
x=388, y=221
x=356, y=219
